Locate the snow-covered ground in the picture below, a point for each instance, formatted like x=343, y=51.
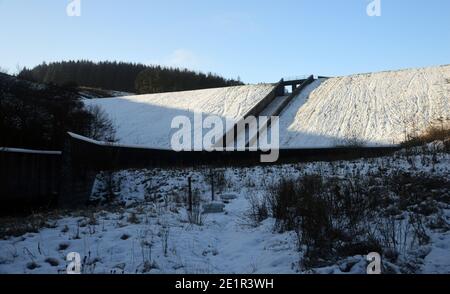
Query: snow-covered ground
x=375, y=108
x=150, y=232
x=146, y=119
x=93, y=93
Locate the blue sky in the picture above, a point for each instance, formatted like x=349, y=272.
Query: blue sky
x=258, y=40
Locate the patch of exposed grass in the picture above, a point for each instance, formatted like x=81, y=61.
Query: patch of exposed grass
x=438, y=131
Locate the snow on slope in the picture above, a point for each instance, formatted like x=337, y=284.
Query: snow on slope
x=374, y=108
x=146, y=119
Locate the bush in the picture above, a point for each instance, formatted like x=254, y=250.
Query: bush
x=259, y=209
x=300, y=206
x=438, y=131
x=418, y=193
x=220, y=179
x=195, y=216
x=283, y=203
x=108, y=187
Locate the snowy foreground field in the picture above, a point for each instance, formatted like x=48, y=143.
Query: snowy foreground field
x=148, y=229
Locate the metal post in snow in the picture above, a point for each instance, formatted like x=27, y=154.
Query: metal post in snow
x=190, y=193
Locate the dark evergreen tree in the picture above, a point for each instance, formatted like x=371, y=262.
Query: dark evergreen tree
x=37, y=116
x=120, y=76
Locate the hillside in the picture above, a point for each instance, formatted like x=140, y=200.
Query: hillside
x=146, y=119
x=123, y=77
x=368, y=109
x=376, y=108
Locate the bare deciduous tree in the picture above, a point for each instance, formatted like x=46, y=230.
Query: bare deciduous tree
x=101, y=127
